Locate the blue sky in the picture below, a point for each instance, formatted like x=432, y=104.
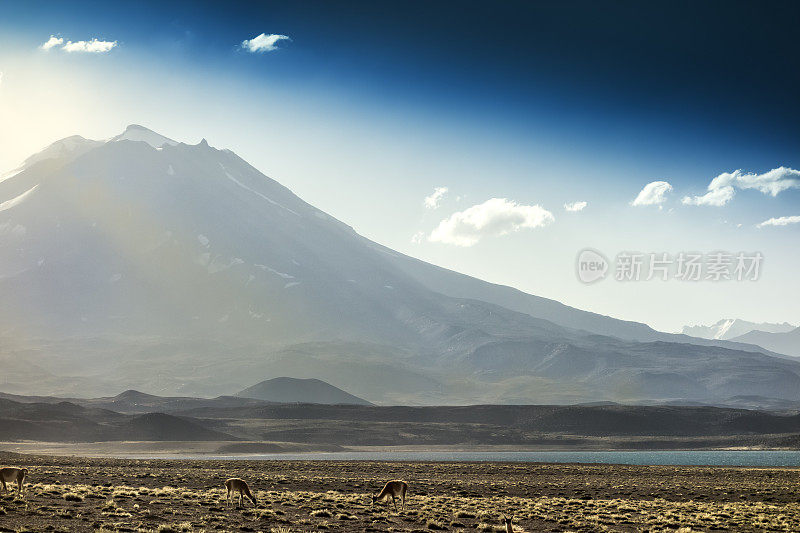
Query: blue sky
x=370, y=106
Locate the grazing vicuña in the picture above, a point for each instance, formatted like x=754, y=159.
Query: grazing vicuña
x=11, y=474
x=395, y=488
x=234, y=484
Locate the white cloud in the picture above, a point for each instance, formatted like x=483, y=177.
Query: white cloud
x=773, y=182
x=417, y=237
x=714, y=197
x=93, y=46
x=575, y=206
x=51, y=42
x=780, y=221
x=264, y=42
x=722, y=188
x=654, y=193
x=432, y=201
x=497, y=216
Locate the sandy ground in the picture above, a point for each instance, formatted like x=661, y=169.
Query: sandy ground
x=85, y=494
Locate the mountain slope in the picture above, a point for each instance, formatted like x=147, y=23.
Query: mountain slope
x=732, y=328
x=293, y=390
x=785, y=342
x=462, y=286
x=459, y=285
x=181, y=269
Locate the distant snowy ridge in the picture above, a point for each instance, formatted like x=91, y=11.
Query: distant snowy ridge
x=728, y=328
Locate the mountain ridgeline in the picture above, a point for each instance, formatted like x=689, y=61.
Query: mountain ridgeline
x=787, y=342
x=264, y=427
x=146, y=263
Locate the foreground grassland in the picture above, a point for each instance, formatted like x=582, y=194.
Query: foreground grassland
x=79, y=494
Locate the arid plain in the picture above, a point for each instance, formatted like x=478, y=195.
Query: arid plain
x=84, y=494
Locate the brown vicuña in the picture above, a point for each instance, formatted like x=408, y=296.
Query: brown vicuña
x=395, y=488
x=11, y=474
x=233, y=484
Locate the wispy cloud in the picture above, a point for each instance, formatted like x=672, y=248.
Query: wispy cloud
x=433, y=201
x=722, y=189
x=93, y=46
x=264, y=42
x=51, y=42
x=497, y=216
x=654, y=193
x=780, y=221
x=575, y=206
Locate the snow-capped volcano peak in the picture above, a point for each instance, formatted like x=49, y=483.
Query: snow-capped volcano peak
x=135, y=132
x=184, y=266
x=70, y=148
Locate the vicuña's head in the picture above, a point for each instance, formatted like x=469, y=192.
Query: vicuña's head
x=507, y=522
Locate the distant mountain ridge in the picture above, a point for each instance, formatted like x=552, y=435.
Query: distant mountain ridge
x=188, y=272
x=68, y=422
x=787, y=342
x=285, y=427
x=135, y=402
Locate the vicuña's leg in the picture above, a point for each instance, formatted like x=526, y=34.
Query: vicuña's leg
x=3, y=481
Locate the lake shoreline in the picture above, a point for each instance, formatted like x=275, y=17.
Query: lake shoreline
x=212, y=450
